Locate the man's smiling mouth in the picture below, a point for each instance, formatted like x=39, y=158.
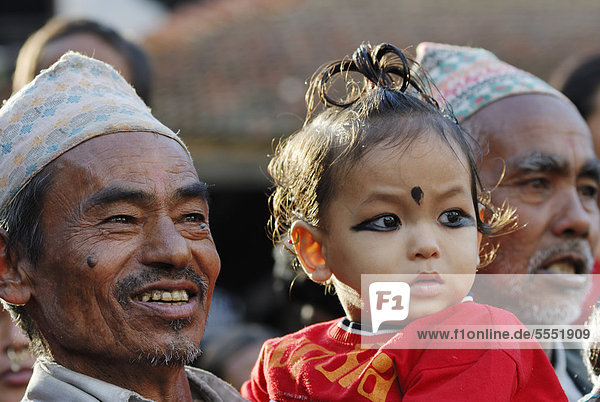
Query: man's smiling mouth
x=162, y=291
x=171, y=297
x=564, y=266
x=169, y=301
x=566, y=272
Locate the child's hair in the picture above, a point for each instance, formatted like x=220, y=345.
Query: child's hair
x=391, y=107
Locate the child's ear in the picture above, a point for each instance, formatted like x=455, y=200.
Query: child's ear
x=14, y=286
x=306, y=240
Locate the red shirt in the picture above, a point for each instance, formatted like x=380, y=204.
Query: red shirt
x=325, y=362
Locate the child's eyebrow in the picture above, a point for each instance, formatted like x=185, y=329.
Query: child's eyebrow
x=382, y=196
x=458, y=189
x=400, y=197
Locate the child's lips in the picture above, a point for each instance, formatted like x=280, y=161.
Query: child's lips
x=426, y=284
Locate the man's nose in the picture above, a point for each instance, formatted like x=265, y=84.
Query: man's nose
x=572, y=218
x=164, y=245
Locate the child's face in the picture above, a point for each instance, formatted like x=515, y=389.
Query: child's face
x=404, y=213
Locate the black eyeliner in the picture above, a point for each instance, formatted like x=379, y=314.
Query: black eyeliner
x=361, y=226
x=369, y=224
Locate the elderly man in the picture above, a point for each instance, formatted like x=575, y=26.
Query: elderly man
x=106, y=256
x=541, y=161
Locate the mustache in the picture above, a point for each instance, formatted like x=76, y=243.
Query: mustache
x=128, y=285
x=577, y=248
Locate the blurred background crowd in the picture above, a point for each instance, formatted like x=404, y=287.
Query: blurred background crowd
x=230, y=75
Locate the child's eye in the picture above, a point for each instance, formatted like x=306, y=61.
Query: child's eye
x=456, y=218
x=385, y=222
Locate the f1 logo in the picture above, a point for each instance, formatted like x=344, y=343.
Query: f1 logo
x=389, y=301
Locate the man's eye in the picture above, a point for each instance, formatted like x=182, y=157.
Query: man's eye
x=589, y=191
x=456, y=218
x=119, y=219
x=538, y=183
x=195, y=218
x=385, y=222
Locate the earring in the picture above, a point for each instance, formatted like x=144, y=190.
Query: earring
x=293, y=241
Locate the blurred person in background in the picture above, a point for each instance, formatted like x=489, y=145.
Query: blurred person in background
x=15, y=360
x=579, y=80
x=91, y=38
x=581, y=84
x=541, y=161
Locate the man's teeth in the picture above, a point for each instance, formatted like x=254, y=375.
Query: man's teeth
x=172, y=297
x=561, y=268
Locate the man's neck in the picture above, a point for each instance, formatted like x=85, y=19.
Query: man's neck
x=159, y=383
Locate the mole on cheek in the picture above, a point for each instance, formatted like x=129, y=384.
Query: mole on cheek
x=417, y=194
x=92, y=260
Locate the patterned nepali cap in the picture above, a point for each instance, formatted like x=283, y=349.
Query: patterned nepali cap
x=76, y=99
x=470, y=78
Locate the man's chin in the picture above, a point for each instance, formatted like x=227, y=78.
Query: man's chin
x=175, y=354
x=527, y=297
x=558, y=313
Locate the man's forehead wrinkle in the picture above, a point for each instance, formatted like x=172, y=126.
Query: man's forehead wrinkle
x=185, y=173
x=70, y=165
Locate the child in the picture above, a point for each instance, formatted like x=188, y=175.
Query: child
x=381, y=182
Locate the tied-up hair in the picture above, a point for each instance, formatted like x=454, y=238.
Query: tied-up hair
x=384, y=66
x=385, y=100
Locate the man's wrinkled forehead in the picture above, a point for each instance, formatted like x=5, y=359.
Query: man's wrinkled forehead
x=529, y=123
x=133, y=167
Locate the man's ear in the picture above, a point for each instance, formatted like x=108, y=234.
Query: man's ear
x=306, y=240
x=14, y=286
